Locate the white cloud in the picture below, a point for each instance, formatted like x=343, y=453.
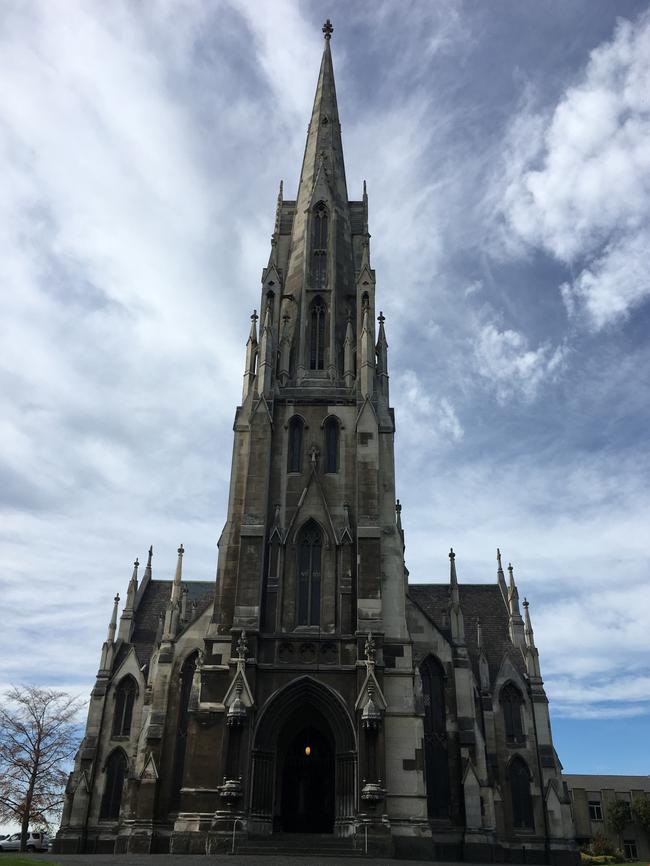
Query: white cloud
x=614, y=283
x=423, y=416
x=578, y=182
x=503, y=357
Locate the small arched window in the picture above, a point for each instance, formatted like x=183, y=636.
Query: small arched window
x=511, y=704
x=319, y=247
x=294, y=461
x=187, y=677
x=317, y=335
x=123, y=712
x=115, y=772
x=522, y=804
x=436, y=759
x=309, y=574
x=331, y=445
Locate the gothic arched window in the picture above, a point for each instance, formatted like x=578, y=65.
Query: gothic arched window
x=294, y=461
x=331, y=445
x=435, y=738
x=115, y=770
x=187, y=676
x=309, y=574
x=511, y=704
x=317, y=335
x=522, y=804
x=123, y=712
x=319, y=247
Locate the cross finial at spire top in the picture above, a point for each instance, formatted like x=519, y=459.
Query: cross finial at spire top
x=181, y=550
x=452, y=555
x=381, y=318
x=328, y=30
x=526, y=602
x=254, y=317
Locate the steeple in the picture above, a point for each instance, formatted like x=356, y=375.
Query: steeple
x=324, y=148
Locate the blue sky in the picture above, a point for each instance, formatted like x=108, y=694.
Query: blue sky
x=506, y=149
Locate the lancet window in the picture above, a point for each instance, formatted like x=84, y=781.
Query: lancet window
x=187, y=676
x=435, y=738
x=123, y=711
x=511, y=704
x=331, y=445
x=294, y=457
x=522, y=804
x=319, y=246
x=317, y=335
x=309, y=574
x=115, y=770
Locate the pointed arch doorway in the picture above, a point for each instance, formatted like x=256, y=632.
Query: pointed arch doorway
x=303, y=771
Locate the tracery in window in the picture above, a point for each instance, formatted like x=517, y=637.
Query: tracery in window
x=294, y=459
x=331, y=445
x=123, y=712
x=317, y=335
x=309, y=574
x=511, y=703
x=436, y=759
x=187, y=676
x=319, y=246
x=115, y=772
x=522, y=804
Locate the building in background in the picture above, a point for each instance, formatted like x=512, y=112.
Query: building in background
x=591, y=796
x=312, y=689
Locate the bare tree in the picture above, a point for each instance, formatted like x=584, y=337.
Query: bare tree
x=38, y=736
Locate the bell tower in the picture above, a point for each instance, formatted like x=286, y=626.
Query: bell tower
x=311, y=560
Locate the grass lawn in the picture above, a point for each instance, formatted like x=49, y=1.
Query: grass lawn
x=22, y=860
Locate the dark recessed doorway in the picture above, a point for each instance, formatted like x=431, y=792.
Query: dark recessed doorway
x=308, y=783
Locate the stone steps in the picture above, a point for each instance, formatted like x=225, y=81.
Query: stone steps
x=300, y=845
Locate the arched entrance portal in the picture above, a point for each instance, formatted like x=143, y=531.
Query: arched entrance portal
x=304, y=763
x=307, y=796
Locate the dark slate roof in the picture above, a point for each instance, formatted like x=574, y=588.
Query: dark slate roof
x=482, y=601
x=154, y=602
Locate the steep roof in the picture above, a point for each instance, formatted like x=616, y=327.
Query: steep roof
x=477, y=601
x=152, y=605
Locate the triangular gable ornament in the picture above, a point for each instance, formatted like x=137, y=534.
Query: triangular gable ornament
x=149, y=771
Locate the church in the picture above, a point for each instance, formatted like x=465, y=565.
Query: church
x=313, y=696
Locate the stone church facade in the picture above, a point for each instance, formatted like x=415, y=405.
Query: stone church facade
x=313, y=688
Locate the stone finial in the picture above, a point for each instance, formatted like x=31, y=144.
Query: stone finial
x=369, y=649
x=242, y=646
x=113, y=623
x=328, y=30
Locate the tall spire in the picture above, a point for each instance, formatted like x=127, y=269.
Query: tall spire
x=324, y=148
